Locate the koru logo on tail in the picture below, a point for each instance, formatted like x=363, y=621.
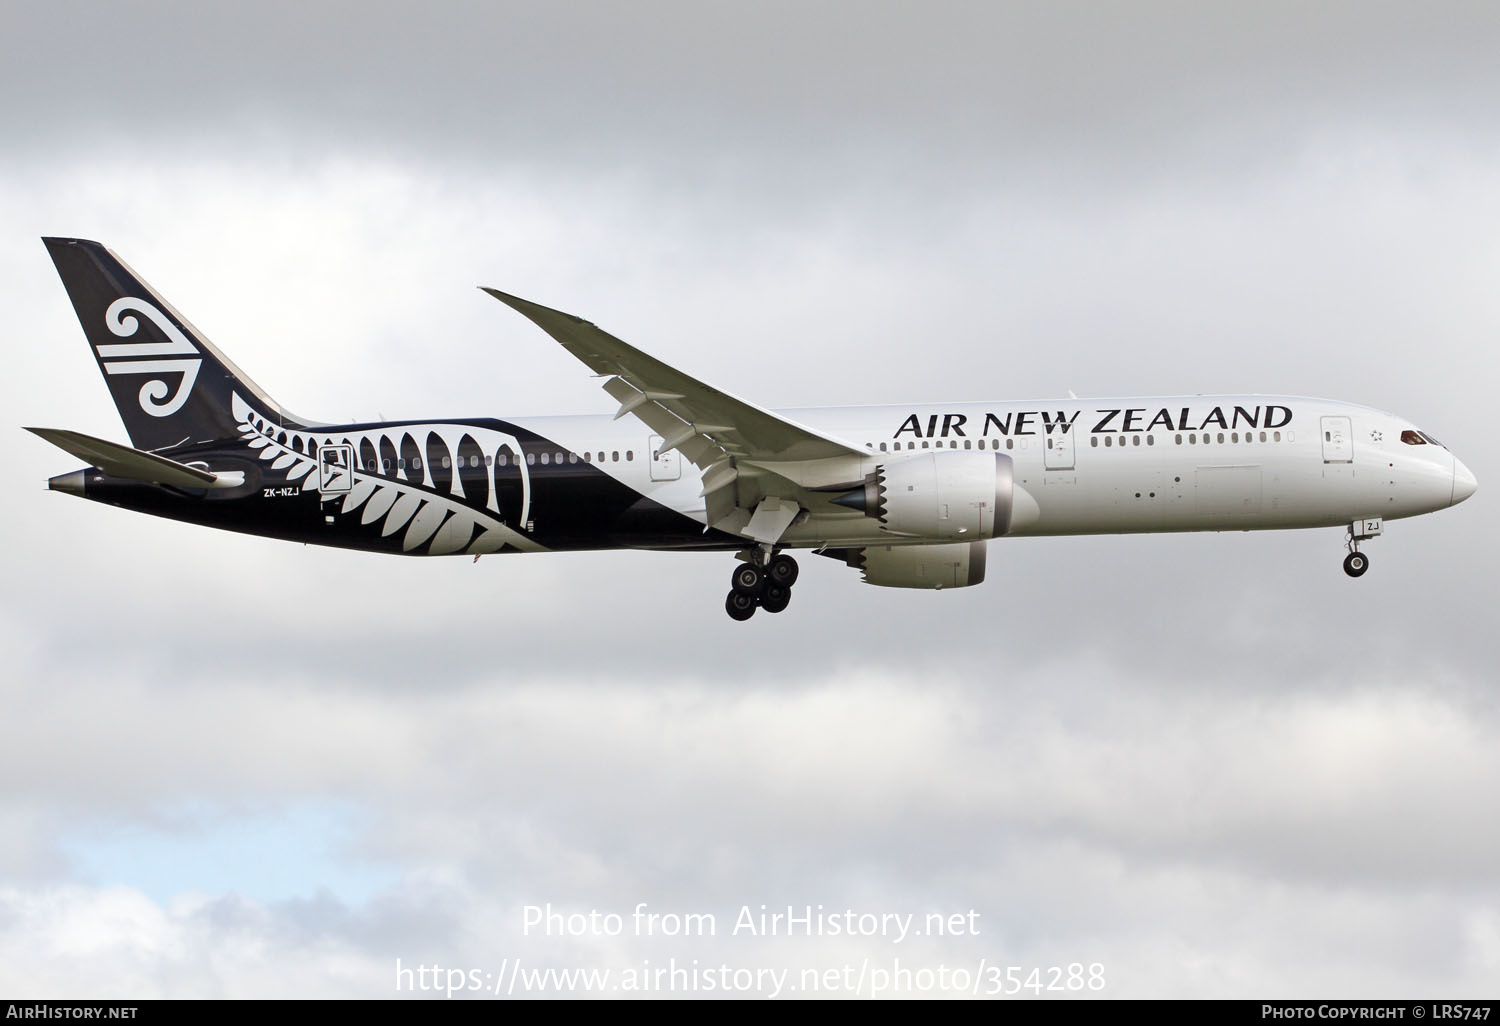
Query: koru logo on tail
x=157, y=397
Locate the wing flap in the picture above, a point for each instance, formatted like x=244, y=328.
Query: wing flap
x=697, y=449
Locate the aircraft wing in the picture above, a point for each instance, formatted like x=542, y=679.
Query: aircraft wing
x=728, y=439
x=729, y=423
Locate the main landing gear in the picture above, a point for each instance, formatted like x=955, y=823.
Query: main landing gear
x=1356, y=563
x=764, y=582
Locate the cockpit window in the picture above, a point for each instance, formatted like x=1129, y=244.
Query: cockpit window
x=1420, y=438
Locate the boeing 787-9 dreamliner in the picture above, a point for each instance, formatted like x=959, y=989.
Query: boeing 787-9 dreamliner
x=908, y=495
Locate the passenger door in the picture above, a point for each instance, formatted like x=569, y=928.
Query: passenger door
x=1338, y=440
x=335, y=469
x=1058, y=454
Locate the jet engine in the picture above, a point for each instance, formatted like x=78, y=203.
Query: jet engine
x=947, y=494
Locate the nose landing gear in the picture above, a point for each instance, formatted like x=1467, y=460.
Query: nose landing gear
x=763, y=581
x=1356, y=563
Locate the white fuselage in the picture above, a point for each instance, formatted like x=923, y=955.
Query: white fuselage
x=1104, y=466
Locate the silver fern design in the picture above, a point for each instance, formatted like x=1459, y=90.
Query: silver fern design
x=428, y=501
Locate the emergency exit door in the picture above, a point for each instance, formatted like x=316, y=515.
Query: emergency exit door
x=665, y=466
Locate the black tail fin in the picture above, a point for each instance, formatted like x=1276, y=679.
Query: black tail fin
x=169, y=382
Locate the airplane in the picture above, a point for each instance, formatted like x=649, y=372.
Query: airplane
x=908, y=495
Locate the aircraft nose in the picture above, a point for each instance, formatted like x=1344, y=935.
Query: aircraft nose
x=1463, y=482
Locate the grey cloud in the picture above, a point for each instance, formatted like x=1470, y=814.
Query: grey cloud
x=764, y=95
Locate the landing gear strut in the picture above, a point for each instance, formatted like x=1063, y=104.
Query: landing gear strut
x=1356, y=563
x=763, y=581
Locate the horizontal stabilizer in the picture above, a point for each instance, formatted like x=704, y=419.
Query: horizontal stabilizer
x=122, y=461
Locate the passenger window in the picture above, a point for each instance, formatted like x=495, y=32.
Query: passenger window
x=968, y=444
x=615, y=456
x=531, y=459
x=416, y=463
x=545, y=457
x=1150, y=439
x=1010, y=443
x=588, y=457
x=1221, y=438
x=882, y=447
x=1179, y=439
x=1262, y=436
x=1192, y=439
x=1277, y=436
x=629, y=455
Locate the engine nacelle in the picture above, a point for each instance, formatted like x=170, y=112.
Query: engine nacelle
x=948, y=494
x=952, y=565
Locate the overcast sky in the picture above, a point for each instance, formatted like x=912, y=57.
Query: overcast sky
x=1210, y=763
